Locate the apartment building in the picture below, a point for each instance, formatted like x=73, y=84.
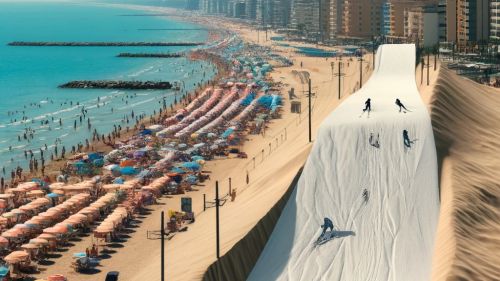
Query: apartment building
x=362, y=18
x=495, y=20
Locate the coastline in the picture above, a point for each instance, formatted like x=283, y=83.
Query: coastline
x=53, y=167
x=39, y=99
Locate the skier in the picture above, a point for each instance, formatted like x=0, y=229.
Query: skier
x=374, y=141
x=401, y=106
x=368, y=106
x=327, y=224
x=406, y=139
x=366, y=196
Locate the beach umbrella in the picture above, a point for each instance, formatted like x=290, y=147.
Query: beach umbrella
x=112, y=167
x=8, y=215
x=16, y=257
x=139, y=153
x=127, y=163
x=143, y=174
x=191, y=166
x=12, y=233
x=4, y=270
x=79, y=255
x=128, y=171
x=35, y=192
x=199, y=145
x=54, y=230
x=3, y=241
x=118, y=181
x=23, y=227
x=39, y=241
x=52, y=195
x=79, y=216
x=146, y=132
x=197, y=157
x=192, y=179
x=30, y=246
x=18, y=212
x=73, y=221
x=177, y=170
x=47, y=236
x=98, y=162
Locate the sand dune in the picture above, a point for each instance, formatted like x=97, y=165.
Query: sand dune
x=466, y=127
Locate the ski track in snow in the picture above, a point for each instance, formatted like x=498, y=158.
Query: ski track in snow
x=393, y=233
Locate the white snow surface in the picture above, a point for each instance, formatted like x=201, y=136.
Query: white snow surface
x=390, y=237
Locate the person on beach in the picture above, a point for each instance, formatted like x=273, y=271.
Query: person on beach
x=401, y=106
x=327, y=224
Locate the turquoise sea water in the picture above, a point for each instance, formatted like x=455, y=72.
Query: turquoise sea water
x=29, y=76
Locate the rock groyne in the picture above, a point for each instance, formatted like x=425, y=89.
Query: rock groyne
x=150, y=55
x=104, y=44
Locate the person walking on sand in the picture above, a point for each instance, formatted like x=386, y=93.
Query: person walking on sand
x=368, y=106
x=401, y=106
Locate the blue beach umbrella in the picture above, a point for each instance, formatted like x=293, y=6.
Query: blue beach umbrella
x=118, y=181
x=177, y=170
x=4, y=271
x=191, y=166
x=98, y=162
x=128, y=171
x=196, y=158
x=192, y=179
x=52, y=195
x=79, y=255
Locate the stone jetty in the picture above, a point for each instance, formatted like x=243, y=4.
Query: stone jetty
x=104, y=44
x=123, y=85
x=150, y=55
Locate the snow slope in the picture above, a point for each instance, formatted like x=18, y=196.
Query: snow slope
x=389, y=237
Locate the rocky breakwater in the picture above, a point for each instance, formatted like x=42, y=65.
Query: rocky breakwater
x=150, y=55
x=124, y=85
x=104, y=44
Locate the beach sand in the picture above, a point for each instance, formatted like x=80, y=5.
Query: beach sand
x=278, y=156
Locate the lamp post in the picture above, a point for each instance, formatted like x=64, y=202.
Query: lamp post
x=361, y=70
x=162, y=235
x=339, y=75
x=217, y=234
x=310, y=112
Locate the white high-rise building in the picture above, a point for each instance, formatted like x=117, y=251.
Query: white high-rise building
x=495, y=19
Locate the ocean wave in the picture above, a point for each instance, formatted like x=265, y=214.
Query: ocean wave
x=136, y=104
x=140, y=72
